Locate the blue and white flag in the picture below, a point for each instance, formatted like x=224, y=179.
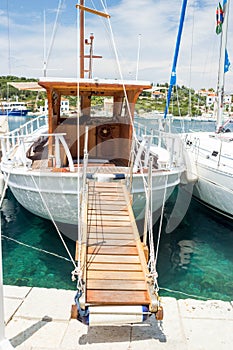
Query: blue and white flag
x=227, y=62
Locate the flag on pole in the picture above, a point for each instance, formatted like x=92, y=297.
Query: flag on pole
x=219, y=19
x=227, y=62
x=220, y=16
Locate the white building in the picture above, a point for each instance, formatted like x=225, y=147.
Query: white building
x=65, y=107
x=212, y=97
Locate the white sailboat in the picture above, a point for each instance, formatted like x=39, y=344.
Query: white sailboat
x=212, y=153
x=46, y=162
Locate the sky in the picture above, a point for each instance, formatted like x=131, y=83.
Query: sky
x=143, y=33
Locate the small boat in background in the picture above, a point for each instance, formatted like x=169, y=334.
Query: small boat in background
x=13, y=108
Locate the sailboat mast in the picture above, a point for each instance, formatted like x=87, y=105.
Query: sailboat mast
x=221, y=69
x=81, y=43
x=173, y=73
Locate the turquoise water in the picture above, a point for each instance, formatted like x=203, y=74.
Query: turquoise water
x=207, y=272
x=25, y=266
x=195, y=260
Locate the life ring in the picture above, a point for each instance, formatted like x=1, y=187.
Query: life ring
x=105, y=132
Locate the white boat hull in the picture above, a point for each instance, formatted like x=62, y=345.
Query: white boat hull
x=53, y=191
x=215, y=190
x=54, y=196
x=212, y=158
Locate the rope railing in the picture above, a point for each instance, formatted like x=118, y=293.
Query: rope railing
x=82, y=194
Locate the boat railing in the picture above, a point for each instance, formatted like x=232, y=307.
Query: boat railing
x=168, y=141
x=12, y=139
x=222, y=159
x=55, y=156
x=174, y=145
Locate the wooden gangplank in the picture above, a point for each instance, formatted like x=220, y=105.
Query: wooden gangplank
x=114, y=262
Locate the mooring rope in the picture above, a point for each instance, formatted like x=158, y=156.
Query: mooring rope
x=183, y=293
x=35, y=248
x=53, y=221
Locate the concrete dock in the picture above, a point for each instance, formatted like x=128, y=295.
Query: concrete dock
x=39, y=319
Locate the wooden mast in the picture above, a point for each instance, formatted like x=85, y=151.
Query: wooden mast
x=81, y=24
x=82, y=8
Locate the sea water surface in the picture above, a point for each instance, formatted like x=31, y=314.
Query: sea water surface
x=195, y=260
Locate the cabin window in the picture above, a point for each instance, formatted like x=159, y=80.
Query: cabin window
x=102, y=106
x=124, y=108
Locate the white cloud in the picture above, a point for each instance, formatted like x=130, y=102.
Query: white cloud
x=155, y=20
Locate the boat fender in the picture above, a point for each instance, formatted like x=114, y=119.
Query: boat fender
x=190, y=174
x=117, y=315
x=119, y=177
x=105, y=177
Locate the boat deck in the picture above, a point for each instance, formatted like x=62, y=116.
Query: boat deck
x=116, y=267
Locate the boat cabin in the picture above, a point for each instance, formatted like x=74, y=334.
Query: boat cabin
x=106, y=107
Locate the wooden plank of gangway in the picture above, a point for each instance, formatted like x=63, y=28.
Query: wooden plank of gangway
x=115, y=270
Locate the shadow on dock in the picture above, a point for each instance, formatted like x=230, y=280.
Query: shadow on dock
x=105, y=334
x=27, y=333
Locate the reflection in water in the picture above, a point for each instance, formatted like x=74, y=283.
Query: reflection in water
x=197, y=258
x=182, y=256
x=9, y=210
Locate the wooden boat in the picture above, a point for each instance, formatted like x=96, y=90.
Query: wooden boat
x=46, y=161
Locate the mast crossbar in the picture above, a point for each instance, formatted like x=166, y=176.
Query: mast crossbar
x=96, y=12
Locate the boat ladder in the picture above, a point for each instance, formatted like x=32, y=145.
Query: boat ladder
x=117, y=286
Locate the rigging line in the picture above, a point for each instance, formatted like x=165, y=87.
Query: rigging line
x=54, y=223
x=125, y=94
x=183, y=293
x=120, y=71
x=105, y=9
x=190, y=66
x=54, y=29
x=178, y=102
x=121, y=76
x=161, y=219
x=150, y=212
x=78, y=107
x=8, y=36
x=35, y=248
